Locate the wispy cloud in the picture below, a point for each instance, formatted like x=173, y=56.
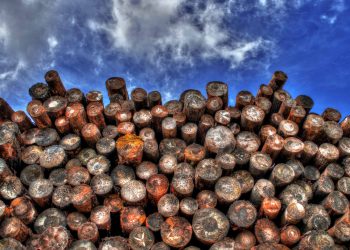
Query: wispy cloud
x=3, y=34
x=338, y=6
x=156, y=44
x=52, y=41
x=172, y=33
x=329, y=19
x=12, y=74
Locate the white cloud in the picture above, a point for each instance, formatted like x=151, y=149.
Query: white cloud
x=93, y=25
x=151, y=38
x=7, y=72
x=329, y=19
x=282, y=6
x=73, y=20
x=167, y=96
x=160, y=31
x=3, y=34
x=13, y=73
x=130, y=81
x=52, y=41
x=28, y=2
x=263, y=2
x=278, y=3
x=338, y=6
x=243, y=50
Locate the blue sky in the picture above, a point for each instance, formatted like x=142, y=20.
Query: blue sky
x=174, y=45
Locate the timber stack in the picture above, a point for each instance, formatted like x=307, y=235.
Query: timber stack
x=193, y=173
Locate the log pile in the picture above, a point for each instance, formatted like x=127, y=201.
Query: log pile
x=193, y=173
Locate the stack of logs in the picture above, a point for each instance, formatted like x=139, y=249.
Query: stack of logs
x=192, y=173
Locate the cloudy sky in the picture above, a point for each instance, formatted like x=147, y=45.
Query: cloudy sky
x=172, y=45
